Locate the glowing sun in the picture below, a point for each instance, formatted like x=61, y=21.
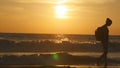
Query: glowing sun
x=61, y=11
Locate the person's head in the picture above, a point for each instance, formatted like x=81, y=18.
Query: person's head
x=108, y=22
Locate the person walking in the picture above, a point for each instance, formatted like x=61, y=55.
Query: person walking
x=102, y=35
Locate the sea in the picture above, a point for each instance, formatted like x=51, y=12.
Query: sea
x=25, y=45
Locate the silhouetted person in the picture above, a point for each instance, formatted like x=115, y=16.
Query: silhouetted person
x=102, y=34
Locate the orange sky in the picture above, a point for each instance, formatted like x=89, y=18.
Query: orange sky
x=58, y=16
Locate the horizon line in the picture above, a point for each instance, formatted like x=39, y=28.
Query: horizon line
x=50, y=33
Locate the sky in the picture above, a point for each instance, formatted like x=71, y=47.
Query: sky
x=58, y=16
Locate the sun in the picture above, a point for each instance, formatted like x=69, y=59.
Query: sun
x=61, y=11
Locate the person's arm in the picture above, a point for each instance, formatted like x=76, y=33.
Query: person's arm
x=105, y=35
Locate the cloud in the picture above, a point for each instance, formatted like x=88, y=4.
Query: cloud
x=99, y=1
x=93, y=1
x=37, y=1
x=45, y=7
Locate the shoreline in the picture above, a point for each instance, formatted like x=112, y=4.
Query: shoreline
x=53, y=59
x=52, y=66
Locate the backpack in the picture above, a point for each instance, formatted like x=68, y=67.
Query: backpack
x=99, y=34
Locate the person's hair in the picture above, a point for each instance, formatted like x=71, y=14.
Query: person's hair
x=108, y=21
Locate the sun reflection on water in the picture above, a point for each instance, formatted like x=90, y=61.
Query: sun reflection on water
x=61, y=38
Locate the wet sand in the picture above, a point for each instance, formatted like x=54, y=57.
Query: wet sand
x=62, y=66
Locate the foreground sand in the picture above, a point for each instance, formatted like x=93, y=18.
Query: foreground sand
x=38, y=66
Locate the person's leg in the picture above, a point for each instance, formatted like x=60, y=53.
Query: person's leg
x=105, y=54
x=101, y=58
x=105, y=65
